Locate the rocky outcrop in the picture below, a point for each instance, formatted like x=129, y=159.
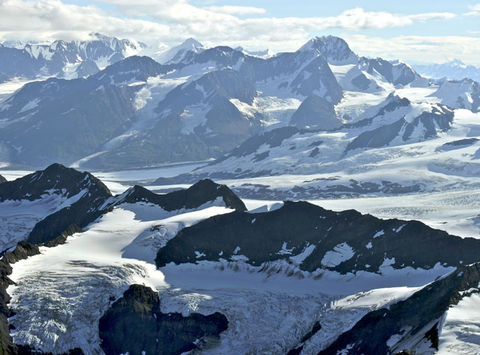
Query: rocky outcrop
x=2, y=179
x=81, y=193
x=135, y=324
x=195, y=196
x=417, y=317
x=54, y=179
x=316, y=112
x=67, y=182
x=23, y=251
x=314, y=238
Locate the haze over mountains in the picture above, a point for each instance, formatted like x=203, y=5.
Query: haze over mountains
x=202, y=103
x=255, y=248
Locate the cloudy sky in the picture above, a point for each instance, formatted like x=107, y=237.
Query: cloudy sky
x=414, y=31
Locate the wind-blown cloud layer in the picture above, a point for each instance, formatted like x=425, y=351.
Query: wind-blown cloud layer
x=166, y=22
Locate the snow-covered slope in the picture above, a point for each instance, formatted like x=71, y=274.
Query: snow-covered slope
x=179, y=53
x=460, y=94
x=117, y=250
x=28, y=203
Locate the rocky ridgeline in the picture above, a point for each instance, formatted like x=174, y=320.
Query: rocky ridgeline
x=414, y=321
x=313, y=238
x=135, y=324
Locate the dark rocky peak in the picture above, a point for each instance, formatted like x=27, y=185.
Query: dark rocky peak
x=417, y=318
x=221, y=55
x=152, y=332
x=131, y=69
x=316, y=78
x=195, y=196
x=396, y=72
x=317, y=113
x=334, y=49
x=56, y=179
x=2, y=179
x=392, y=102
x=438, y=119
x=366, y=243
x=55, y=228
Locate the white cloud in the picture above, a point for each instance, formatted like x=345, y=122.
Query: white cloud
x=475, y=10
x=52, y=19
x=237, y=10
x=415, y=49
x=171, y=21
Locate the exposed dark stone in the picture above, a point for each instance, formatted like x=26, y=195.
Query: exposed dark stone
x=384, y=135
x=196, y=195
x=371, y=333
x=23, y=251
x=261, y=156
x=314, y=152
x=361, y=82
x=260, y=237
x=298, y=349
x=68, y=182
x=2, y=179
x=27, y=350
x=55, y=177
x=461, y=143
x=135, y=324
x=316, y=112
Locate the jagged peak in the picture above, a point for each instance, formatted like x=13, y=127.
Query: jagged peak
x=335, y=49
x=200, y=193
x=191, y=43
x=56, y=178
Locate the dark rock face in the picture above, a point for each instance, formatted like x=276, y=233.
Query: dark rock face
x=394, y=72
x=196, y=195
x=440, y=119
x=134, y=68
x=23, y=251
x=427, y=306
x=64, y=120
x=290, y=230
x=135, y=323
x=2, y=179
x=57, y=179
x=316, y=112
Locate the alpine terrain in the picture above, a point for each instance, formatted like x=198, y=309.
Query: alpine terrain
x=200, y=198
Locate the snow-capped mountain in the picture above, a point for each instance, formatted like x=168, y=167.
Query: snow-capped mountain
x=209, y=101
x=178, y=53
x=220, y=263
x=454, y=70
x=266, y=53
x=351, y=158
x=64, y=59
x=460, y=94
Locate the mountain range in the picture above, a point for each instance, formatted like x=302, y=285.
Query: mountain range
x=263, y=244
x=454, y=70
x=355, y=281
x=206, y=102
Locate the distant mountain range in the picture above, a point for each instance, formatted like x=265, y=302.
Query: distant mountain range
x=205, y=102
x=63, y=59
x=454, y=70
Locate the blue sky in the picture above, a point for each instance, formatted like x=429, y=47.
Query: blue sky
x=413, y=31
